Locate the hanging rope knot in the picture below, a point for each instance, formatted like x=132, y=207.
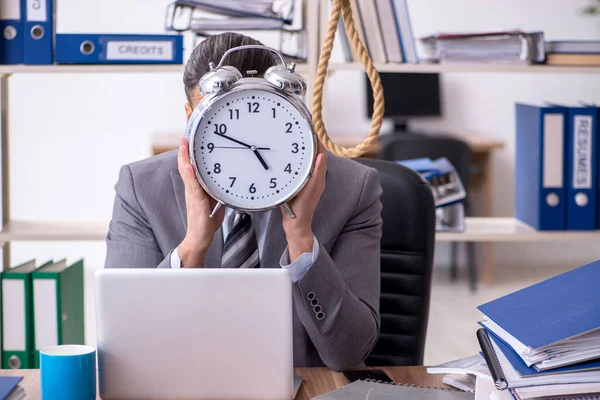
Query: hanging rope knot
x=343, y=6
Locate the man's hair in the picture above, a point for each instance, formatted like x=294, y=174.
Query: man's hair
x=213, y=48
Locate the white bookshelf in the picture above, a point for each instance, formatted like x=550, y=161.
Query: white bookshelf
x=482, y=229
x=54, y=231
x=478, y=229
x=305, y=69
x=6, y=70
x=469, y=68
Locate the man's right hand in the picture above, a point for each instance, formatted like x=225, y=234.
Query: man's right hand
x=200, y=227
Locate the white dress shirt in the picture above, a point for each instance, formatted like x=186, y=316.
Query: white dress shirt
x=297, y=269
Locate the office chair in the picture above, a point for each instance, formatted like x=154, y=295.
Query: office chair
x=408, y=146
x=407, y=249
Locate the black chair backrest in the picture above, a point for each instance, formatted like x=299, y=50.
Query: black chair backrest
x=397, y=147
x=407, y=249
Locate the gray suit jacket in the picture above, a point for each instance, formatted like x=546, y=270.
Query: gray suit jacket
x=149, y=221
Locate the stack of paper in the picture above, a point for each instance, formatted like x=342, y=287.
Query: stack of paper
x=198, y=15
x=447, y=188
x=544, y=340
x=507, y=47
x=207, y=17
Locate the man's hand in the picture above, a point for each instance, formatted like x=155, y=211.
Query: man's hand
x=200, y=228
x=298, y=231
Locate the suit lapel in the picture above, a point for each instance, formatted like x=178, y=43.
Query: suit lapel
x=215, y=251
x=275, y=242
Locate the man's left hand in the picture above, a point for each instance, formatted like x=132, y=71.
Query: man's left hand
x=298, y=231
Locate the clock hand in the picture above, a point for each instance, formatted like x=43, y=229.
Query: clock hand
x=239, y=148
x=233, y=140
x=253, y=148
x=262, y=161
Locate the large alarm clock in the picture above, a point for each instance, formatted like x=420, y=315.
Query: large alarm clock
x=252, y=141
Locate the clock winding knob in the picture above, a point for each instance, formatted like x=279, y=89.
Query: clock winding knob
x=218, y=79
x=286, y=79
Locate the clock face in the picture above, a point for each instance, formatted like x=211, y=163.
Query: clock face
x=253, y=149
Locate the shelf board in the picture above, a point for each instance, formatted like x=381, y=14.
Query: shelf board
x=54, y=230
x=449, y=68
x=90, y=69
x=510, y=230
x=479, y=229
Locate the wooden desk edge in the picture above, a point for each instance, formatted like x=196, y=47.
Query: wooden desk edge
x=316, y=381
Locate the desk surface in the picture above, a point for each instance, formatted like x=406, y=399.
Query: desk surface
x=316, y=380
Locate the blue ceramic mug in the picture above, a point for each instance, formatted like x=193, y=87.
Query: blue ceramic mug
x=68, y=372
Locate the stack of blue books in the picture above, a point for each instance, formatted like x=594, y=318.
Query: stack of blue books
x=545, y=335
x=447, y=188
x=556, y=167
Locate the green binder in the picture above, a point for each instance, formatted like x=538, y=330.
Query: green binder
x=17, y=317
x=58, y=306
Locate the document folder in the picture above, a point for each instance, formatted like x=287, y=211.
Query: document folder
x=540, y=182
x=58, y=296
x=38, y=32
x=118, y=49
x=12, y=38
x=17, y=338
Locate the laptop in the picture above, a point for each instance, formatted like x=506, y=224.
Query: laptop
x=194, y=333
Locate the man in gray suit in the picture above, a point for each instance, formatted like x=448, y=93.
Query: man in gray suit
x=332, y=248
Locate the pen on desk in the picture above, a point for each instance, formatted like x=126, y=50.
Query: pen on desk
x=491, y=359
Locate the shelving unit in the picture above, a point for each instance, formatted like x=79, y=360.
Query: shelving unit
x=469, y=68
x=95, y=69
x=54, y=231
x=478, y=229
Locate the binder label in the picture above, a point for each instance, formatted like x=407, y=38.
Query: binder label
x=553, y=151
x=10, y=9
x=13, y=315
x=140, y=50
x=582, y=152
x=36, y=10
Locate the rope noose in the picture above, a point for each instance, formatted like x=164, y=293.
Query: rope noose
x=378, y=107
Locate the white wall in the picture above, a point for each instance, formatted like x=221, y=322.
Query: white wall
x=69, y=134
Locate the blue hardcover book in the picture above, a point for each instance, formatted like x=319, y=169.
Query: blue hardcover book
x=12, y=38
x=582, y=166
x=540, y=182
x=91, y=48
x=8, y=384
x=39, y=32
x=553, y=323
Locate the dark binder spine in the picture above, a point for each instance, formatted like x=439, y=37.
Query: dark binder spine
x=491, y=359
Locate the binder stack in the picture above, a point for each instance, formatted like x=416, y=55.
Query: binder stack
x=27, y=32
x=203, y=17
x=29, y=38
x=448, y=191
x=504, y=47
x=42, y=305
x=540, y=342
x=556, y=166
